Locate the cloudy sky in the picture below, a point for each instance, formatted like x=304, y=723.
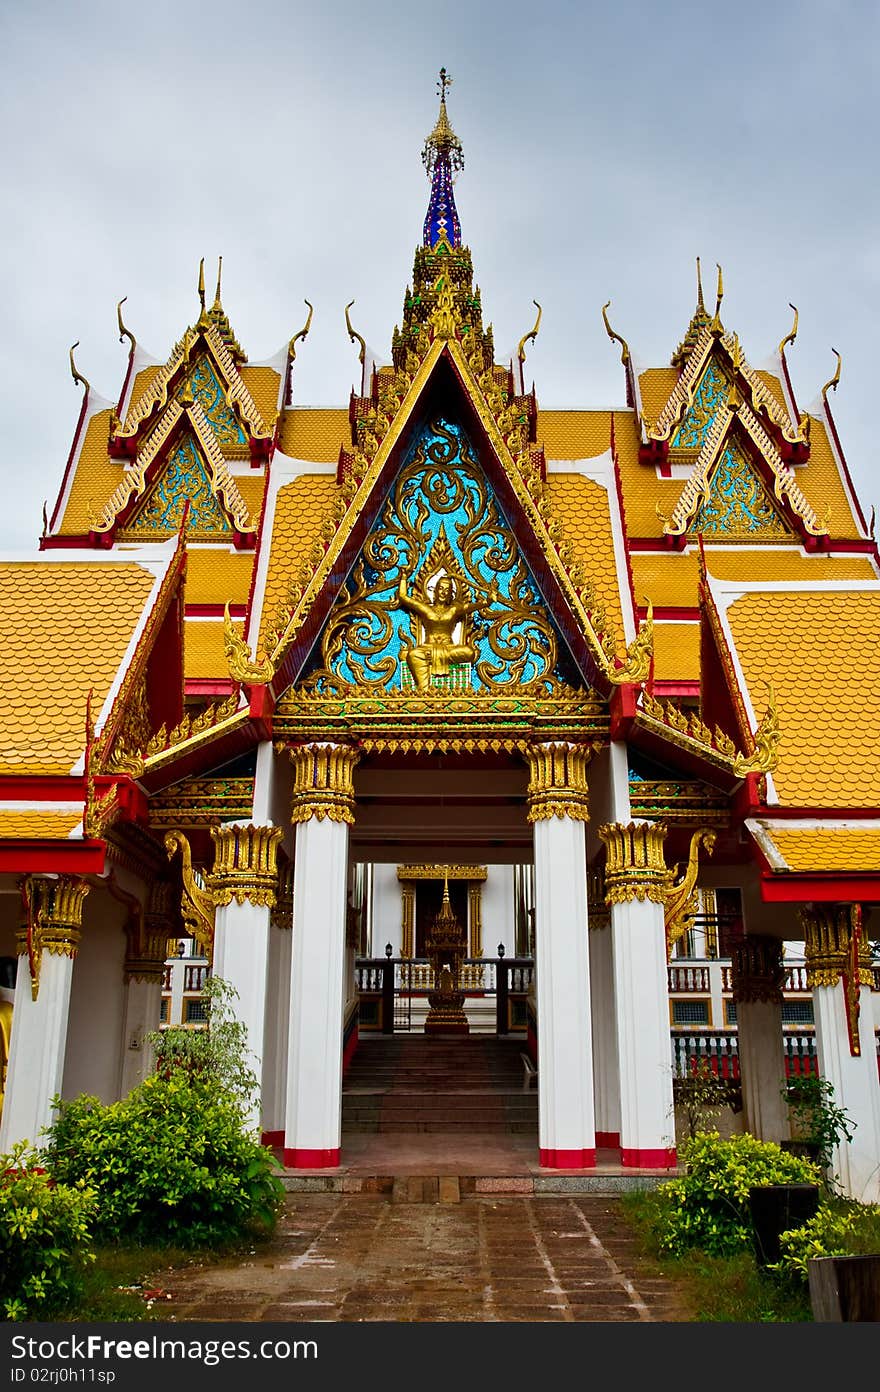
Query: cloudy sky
x=607, y=145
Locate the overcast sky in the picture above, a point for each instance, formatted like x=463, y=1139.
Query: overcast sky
x=606, y=147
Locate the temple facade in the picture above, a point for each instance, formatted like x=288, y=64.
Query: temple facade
x=295, y=686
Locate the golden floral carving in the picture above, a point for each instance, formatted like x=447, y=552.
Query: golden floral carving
x=635, y=867
x=245, y=865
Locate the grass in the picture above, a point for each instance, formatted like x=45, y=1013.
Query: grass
x=126, y=1282
x=724, y=1290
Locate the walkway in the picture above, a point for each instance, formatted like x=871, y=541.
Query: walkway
x=425, y=1252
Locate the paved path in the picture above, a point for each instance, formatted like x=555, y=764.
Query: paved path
x=426, y=1254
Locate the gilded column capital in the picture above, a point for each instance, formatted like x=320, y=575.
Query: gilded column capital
x=147, y=935
x=558, y=781
x=52, y=910
x=836, y=949
x=245, y=864
x=323, y=782
x=757, y=970
x=635, y=867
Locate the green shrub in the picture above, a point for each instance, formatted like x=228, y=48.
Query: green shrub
x=172, y=1162
x=815, y=1116
x=841, y=1228
x=709, y=1206
x=44, y=1237
x=219, y=1052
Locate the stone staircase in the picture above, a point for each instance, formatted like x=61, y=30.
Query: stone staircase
x=414, y=1083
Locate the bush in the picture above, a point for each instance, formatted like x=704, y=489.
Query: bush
x=172, y=1162
x=218, y=1052
x=839, y=1229
x=44, y=1237
x=815, y=1116
x=709, y=1206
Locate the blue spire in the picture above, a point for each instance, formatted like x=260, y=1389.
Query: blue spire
x=442, y=157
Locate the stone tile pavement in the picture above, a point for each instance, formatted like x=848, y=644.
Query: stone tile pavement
x=428, y=1252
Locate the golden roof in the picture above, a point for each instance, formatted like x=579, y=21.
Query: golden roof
x=574, y=434
x=820, y=653
x=94, y=479
x=40, y=824
x=821, y=484
x=655, y=389
x=641, y=488
x=583, y=508
x=676, y=652
x=263, y=384
x=314, y=433
x=204, y=657
x=670, y=579
x=820, y=849
x=218, y=575
x=66, y=628
x=300, y=508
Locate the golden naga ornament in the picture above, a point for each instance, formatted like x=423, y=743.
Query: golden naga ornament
x=636, y=665
x=680, y=906
x=243, y=667
x=196, y=904
x=765, y=756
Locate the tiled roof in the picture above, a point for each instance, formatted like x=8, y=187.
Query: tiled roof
x=203, y=655
x=677, y=652
x=821, y=484
x=641, y=488
x=66, y=628
x=774, y=386
x=34, y=823
x=655, y=389
x=827, y=848
x=314, y=433
x=820, y=653
x=670, y=580
x=262, y=383
x=217, y=575
x=299, y=510
x=582, y=506
x=574, y=434
x=95, y=478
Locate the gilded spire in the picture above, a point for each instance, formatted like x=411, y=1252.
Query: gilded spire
x=699, y=320
x=442, y=157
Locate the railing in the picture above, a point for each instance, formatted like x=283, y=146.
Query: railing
x=194, y=978
x=391, y=984
x=719, y=1049
x=685, y=980
x=695, y=978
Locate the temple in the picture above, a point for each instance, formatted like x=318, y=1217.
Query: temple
x=337, y=697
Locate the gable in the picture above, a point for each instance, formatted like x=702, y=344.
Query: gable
x=711, y=393
x=396, y=625
x=737, y=502
x=183, y=480
x=204, y=386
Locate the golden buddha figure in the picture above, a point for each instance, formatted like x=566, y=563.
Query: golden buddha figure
x=440, y=618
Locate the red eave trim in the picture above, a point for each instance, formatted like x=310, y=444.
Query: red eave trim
x=214, y=611
x=664, y=543
x=70, y=857
x=842, y=546
x=208, y=686
x=842, y=457
x=672, y=688
x=819, y=814
x=76, y=437
x=672, y=614
x=792, y=887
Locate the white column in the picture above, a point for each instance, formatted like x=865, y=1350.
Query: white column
x=143, y=996
x=277, y=1016
x=323, y=809
x=243, y=884
x=604, y=1033
x=758, y=976
x=313, y=1122
x=839, y=974
x=635, y=879
x=36, y=1050
x=558, y=810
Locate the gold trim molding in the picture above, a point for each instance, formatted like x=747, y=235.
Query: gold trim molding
x=558, y=781
x=836, y=949
x=51, y=921
x=245, y=865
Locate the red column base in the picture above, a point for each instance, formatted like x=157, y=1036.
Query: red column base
x=312, y=1159
x=272, y=1138
x=567, y=1159
x=649, y=1159
x=608, y=1140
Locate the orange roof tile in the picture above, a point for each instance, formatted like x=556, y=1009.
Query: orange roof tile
x=216, y=575
x=263, y=384
x=821, y=484
x=820, y=653
x=66, y=628
x=582, y=506
x=34, y=823
x=574, y=434
x=655, y=388
x=299, y=510
x=314, y=433
x=774, y=386
x=827, y=848
x=95, y=477
x=204, y=657
x=677, y=652
x=641, y=488
x=670, y=579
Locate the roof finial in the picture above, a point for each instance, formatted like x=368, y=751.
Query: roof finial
x=77, y=376
x=792, y=335
x=832, y=385
x=624, y=346
x=716, y=322
x=700, y=305
x=123, y=331
x=353, y=334
x=445, y=877
x=217, y=304
x=303, y=333
x=202, y=284
x=533, y=334
x=442, y=157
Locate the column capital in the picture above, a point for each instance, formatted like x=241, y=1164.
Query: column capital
x=245, y=864
x=830, y=933
x=635, y=867
x=757, y=971
x=323, y=783
x=52, y=910
x=558, y=780
x=147, y=935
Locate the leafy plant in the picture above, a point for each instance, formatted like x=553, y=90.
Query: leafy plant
x=702, y=1097
x=218, y=1053
x=842, y=1227
x=815, y=1117
x=172, y=1162
x=709, y=1206
x=45, y=1231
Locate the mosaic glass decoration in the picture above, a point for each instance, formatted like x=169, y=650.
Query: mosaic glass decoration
x=711, y=393
x=738, y=504
x=184, y=480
